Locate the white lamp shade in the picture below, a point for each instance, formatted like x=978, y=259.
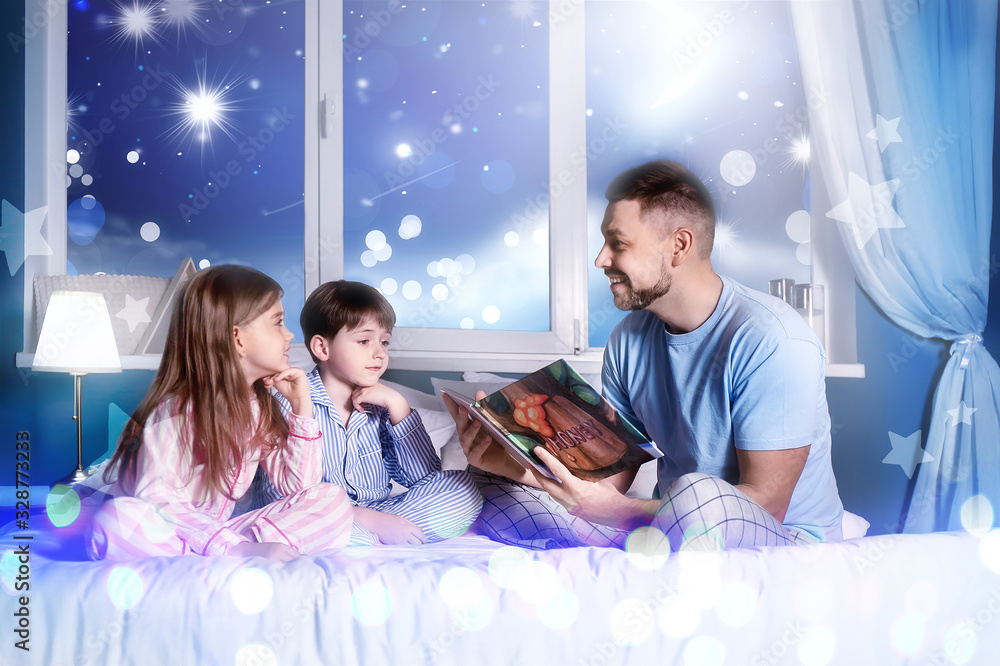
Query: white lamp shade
x=76, y=335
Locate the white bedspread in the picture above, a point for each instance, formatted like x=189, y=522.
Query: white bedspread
x=930, y=599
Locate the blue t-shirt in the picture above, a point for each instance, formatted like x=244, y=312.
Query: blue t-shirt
x=752, y=377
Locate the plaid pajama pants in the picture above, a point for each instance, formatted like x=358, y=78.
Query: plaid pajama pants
x=698, y=511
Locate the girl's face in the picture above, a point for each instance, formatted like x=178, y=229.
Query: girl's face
x=359, y=356
x=263, y=344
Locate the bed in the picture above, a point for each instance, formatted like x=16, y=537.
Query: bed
x=901, y=599
x=896, y=599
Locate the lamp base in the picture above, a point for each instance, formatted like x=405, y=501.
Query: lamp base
x=78, y=475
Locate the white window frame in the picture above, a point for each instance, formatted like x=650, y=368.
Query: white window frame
x=413, y=348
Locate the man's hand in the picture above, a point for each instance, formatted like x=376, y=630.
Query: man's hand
x=272, y=550
x=597, y=502
x=388, y=527
x=293, y=384
x=480, y=449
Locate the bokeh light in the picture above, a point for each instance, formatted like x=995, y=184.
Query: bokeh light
x=961, y=642
x=125, y=587
x=10, y=562
x=536, y=582
x=737, y=168
x=62, y=505
x=647, y=548
x=504, y=563
x=411, y=290
x=560, y=610
x=491, y=314
x=388, y=286
x=371, y=603
x=149, y=231
x=375, y=239
x=907, y=631
x=252, y=590
x=460, y=588
x=989, y=550
x=410, y=227
x=977, y=515
x=704, y=651
x=797, y=226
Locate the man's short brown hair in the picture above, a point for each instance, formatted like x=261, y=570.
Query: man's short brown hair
x=669, y=188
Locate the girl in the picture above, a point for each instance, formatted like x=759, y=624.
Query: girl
x=193, y=445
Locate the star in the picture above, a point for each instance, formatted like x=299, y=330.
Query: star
x=134, y=312
x=906, y=452
x=885, y=132
x=21, y=235
x=962, y=414
x=867, y=208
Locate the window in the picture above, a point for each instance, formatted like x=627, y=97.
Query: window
x=185, y=138
x=455, y=156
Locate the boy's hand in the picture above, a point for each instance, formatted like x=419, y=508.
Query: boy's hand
x=293, y=384
x=380, y=394
x=388, y=527
x=272, y=550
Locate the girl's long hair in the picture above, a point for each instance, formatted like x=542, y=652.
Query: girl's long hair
x=200, y=372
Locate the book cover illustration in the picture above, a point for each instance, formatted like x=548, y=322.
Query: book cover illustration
x=556, y=408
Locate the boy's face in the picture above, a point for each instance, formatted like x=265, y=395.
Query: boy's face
x=359, y=357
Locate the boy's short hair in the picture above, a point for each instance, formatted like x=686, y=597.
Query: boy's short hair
x=343, y=304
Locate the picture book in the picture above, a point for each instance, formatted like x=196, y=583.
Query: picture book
x=556, y=408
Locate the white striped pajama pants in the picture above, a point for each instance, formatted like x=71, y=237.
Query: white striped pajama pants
x=443, y=504
x=309, y=520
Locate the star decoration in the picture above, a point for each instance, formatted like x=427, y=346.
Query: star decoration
x=906, y=452
x=885, y=132
x=21, y=235
x=134, y=312
x=867, y=208
x=962, y=414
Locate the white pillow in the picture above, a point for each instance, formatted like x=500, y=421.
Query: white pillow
x=468, y=389
x=592, y=378
x=645, y=481
x=440, y=427
x=854, y=526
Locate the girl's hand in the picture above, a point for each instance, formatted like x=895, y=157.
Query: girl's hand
x=380, y=394
x=293, y=384
x=272, y=550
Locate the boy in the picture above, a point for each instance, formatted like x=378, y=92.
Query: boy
x=369, y=433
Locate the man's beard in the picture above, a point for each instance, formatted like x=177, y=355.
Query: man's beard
x=640, y=299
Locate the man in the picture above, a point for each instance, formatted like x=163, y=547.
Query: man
x=729, y=382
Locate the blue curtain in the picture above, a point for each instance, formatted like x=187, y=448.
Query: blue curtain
x=930, y=77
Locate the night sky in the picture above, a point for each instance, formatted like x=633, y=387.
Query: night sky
x=186, y=118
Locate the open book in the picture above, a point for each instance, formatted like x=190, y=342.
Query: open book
x=556, y=408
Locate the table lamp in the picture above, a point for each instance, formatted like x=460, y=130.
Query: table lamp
x=76, y=337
